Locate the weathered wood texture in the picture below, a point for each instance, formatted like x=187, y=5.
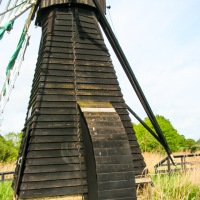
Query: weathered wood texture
x=53, y=165
x=113, y=166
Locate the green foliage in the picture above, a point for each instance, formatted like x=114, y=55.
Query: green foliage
x=6, y=192
x=9, y=146
x=194, y=146
x=198, y=142
x=150, y=144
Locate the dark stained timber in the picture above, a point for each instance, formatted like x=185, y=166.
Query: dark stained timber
x=71, y=151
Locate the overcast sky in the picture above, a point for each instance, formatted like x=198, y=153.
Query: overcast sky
x=161, y=39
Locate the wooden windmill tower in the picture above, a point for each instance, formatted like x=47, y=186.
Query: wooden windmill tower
x=78, y=138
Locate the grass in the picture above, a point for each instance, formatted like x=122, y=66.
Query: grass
x=179, y=186
x=6, y=192
x=175, y=187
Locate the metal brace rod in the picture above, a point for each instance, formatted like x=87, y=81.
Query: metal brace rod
x=127, y=68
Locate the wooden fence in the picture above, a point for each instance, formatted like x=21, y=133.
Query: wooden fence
x=165, y=165
x=3, y=175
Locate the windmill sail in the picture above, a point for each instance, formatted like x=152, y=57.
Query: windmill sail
x=12, y=70
x=10, y=10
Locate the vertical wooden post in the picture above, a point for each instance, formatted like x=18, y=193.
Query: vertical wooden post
x=2, y=177
x=168, y=165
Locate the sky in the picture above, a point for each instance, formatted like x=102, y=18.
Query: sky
x=161, y=40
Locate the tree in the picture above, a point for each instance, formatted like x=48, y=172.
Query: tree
x=149, y=143
x=9, y=146
x=15, y=138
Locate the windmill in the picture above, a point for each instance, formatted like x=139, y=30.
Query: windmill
x=78, y=137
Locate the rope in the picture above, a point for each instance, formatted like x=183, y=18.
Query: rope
x=77, y=144
x=108, y=8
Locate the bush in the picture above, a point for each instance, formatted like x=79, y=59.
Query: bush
x=9, y=146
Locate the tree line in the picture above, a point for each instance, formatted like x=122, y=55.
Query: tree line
x=176, y=141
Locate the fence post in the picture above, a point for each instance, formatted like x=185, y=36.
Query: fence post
x=2, y=177
x=168, y=165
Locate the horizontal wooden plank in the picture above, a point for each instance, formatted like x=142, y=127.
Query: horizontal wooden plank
x=54, y=176
x=82, y=27
x=137, y=157
x=53, y=146
x=56, y=85
x=53, y=139
x=45, y=125
x=101, y=168
x=139, y=164
x=57, y=98
x=58, y=79
x=134, y=147
x=132, y=137
x=114, y=194
x=100, y=98
x=101, y=116
x=112, y=159
x=72, y=131
x=99, y=87
x=104, y=137
x=61, y=18
x=65, y=42
x=55, y=104
x=54, y=161
x=66, y=32
x=139, y=171
x=122, y=111
x=78, y=51
x=108, y=130
x=88, y=92
x=79, y=68
x=63, y=38
x=111, y=151
x=52, y=184
x=55, y=118
x=110, y=144
x=53, y=192
x=57, y=111
x=54, y=153
x=105, y=124
x=116, y=176
x=55, y=56
x=54, y=168
x=112, y=185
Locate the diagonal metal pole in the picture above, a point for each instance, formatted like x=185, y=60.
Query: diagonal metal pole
x=144, y=124
x=127, y=68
